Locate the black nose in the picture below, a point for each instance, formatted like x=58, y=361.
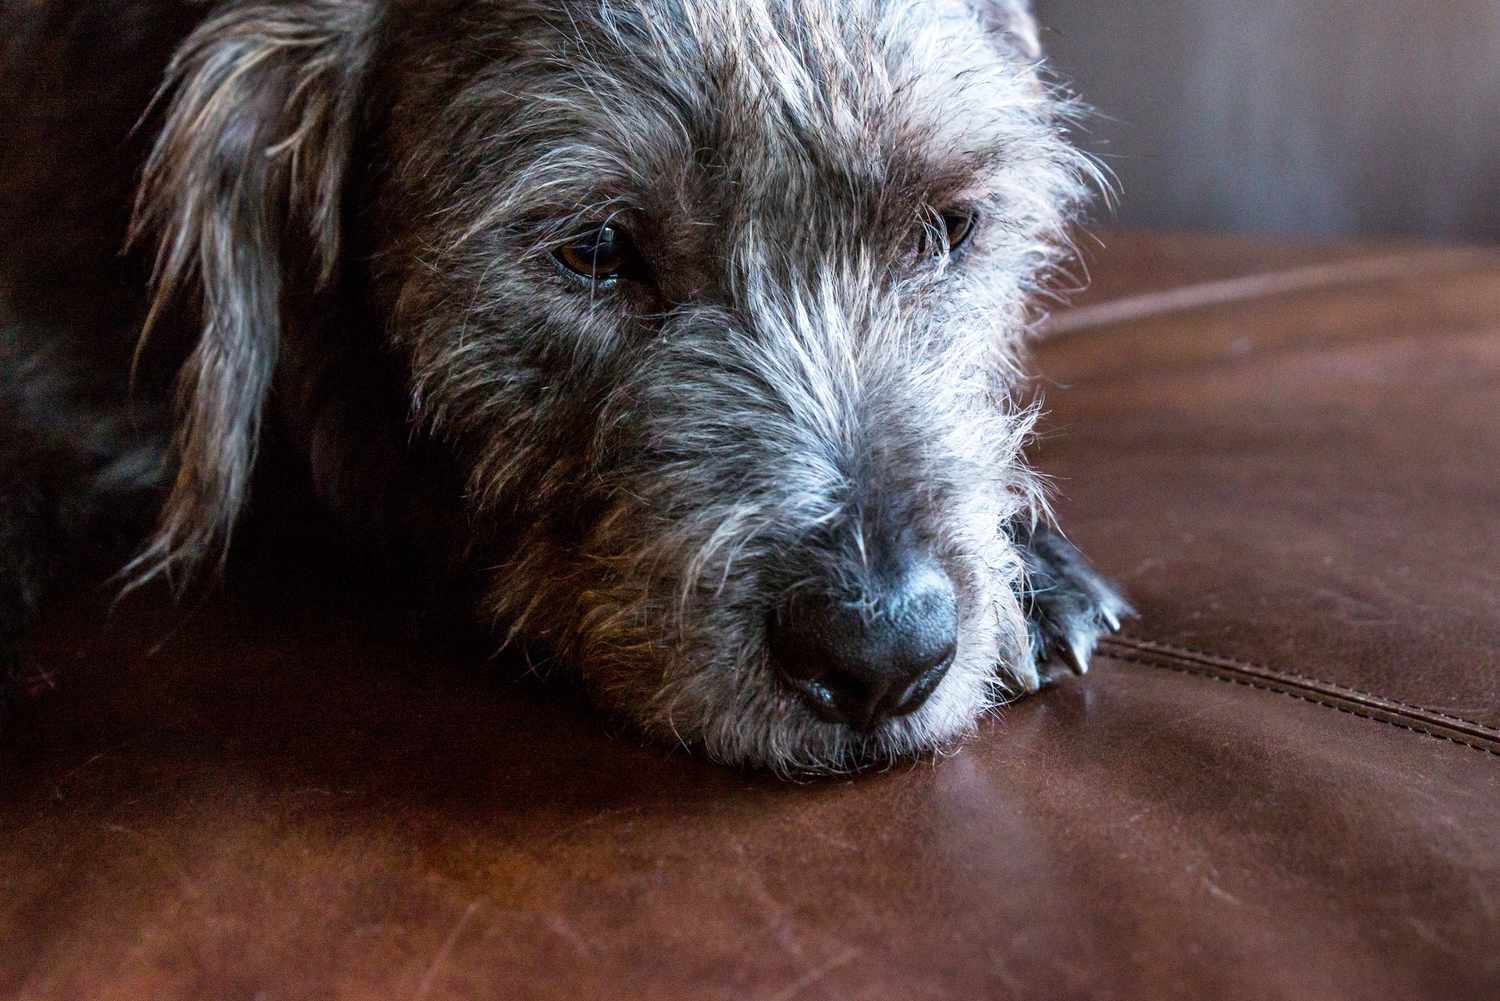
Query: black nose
x=863, y=661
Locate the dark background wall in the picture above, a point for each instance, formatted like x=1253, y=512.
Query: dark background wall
x=1333, y=117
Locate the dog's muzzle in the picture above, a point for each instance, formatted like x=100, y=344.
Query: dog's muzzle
x=862, y=659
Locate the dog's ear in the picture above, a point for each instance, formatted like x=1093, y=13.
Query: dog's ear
x=243, y=195
x=1014, y=21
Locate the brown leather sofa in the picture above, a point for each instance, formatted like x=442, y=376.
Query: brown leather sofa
x=1283, y=781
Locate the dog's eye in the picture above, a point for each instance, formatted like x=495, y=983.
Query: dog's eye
x=959, y=226
x=956, y=227
x=599, y=255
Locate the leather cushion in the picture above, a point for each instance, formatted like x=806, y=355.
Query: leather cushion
x=1283, y=782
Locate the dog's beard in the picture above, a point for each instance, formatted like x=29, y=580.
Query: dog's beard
x=673, y=637
x=730, y=701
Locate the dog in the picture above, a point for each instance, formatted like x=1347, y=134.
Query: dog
x=686, y=334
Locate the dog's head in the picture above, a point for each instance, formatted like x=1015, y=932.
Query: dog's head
x=715, y=306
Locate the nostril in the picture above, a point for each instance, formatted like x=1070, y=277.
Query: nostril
x=916, y=694
x=861, y=662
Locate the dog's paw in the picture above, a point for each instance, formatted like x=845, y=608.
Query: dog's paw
x=1069, y=606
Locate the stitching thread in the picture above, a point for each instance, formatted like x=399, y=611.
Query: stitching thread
x=1300, y=697
x=1236, y=291
x=1145, y=646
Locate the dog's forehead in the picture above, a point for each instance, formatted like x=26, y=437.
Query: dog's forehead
x=782, y=98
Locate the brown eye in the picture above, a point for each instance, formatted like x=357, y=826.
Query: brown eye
x=956, y=226
x=959, y=226
x=600, y=255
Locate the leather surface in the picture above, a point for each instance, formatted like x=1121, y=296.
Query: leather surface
x=1284, y=782
x=1315, y=472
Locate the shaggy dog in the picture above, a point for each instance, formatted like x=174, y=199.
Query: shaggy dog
x=685, y=332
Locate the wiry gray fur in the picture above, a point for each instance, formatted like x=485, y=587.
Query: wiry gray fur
x=360, y=202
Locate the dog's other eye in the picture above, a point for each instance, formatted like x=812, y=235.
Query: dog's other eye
x=600, y=255
x=956, y=225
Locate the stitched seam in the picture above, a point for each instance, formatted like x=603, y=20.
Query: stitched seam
x=1294, y=281
x=1146, y=646
x=1304, y=346
x=1212, y=675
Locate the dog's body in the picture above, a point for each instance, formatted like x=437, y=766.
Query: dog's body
x=685, y=332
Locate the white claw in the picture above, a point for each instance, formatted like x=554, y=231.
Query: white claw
x=1028, y=678
x=1077, y=654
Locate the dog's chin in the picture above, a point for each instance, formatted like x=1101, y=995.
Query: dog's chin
x=797, y=743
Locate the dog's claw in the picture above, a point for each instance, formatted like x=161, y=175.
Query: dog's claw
x=1069, y=606
x=1077, y=653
